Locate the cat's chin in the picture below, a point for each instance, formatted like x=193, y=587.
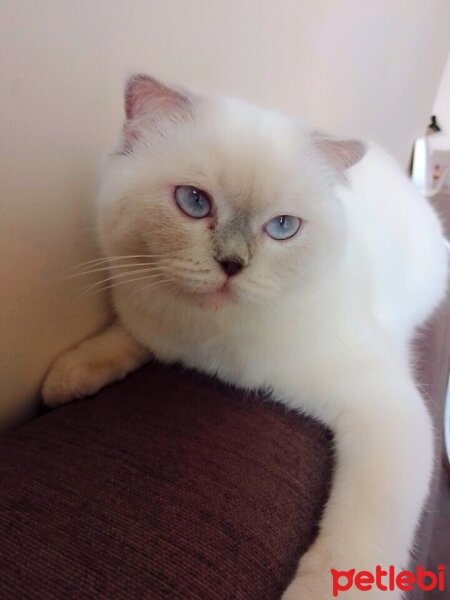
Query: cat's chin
x=213, y=300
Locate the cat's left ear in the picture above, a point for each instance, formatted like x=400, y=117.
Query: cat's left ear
x=145, y=95
x=151, y=106
x=341, y=154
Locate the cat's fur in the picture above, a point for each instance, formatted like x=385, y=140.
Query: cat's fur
x=324, y=319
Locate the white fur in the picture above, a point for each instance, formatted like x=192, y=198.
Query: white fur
x=324, y=320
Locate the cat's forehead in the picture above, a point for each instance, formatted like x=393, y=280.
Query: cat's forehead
x=251, y=155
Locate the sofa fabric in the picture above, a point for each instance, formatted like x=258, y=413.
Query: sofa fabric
x=171, y=486
x=165, y=486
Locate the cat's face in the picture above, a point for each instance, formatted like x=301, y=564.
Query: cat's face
x=229, y=203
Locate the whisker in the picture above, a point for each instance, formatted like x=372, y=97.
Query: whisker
x=96, y=286
x=107, y=258
x=150, y=266
x=126, y=274
x=116, y=278
x=124, y=257
x=151, y=286
x=108, y=268
x=191, y=273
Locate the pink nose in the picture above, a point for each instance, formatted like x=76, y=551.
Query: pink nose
x=230, y=267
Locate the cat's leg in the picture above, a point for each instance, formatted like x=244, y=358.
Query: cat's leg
x=384, y=456
x=91, y=365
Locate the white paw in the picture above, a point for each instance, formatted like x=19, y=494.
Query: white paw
x=76, y=374
x=315, y=580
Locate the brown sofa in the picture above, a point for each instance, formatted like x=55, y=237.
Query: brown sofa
x=171, y=486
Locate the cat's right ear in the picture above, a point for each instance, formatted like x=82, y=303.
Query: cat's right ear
x=340, y=154
x=151, y=106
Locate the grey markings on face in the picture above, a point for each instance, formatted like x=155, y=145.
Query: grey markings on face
x=233, y=240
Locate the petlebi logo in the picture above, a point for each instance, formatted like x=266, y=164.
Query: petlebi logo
x=387, y=580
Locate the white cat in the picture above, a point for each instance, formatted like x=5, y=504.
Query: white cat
x=248, y=246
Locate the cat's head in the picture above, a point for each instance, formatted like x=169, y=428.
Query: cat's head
x=229, y=203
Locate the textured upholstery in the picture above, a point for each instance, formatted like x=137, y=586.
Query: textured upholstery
x=171, y=486
x=164, y=486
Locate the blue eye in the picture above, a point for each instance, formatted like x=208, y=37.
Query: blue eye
x=192, y=201
x=283, y=227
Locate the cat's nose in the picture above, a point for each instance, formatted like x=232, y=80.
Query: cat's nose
x=231, y=266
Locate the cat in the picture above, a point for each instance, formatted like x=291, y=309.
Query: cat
x=256, y=249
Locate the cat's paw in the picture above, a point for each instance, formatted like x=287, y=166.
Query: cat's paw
x=316, y=581
x=302, y=588
x=318, y=587
x=77, y=374
x=313, y=580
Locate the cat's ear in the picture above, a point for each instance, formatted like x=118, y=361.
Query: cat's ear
x=341, y=154
x=150, y=105
x=145, y=95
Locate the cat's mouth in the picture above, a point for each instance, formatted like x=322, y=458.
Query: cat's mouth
x=213, y=299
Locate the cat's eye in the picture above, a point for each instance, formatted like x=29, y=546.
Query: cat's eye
x=192, y=201
x=282, y=227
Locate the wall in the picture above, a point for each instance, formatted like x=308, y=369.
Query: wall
x=441, y=108
x=369, y=68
